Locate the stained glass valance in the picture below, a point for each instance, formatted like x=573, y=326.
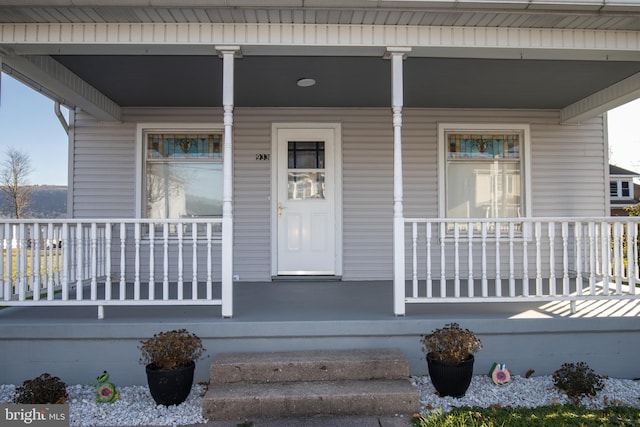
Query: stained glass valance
x=483, y=146
x=190, y=145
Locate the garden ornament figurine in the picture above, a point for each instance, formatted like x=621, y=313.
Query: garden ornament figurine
x=106, y=392
x=499, y=374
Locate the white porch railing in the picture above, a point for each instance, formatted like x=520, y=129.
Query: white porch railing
x=110, y=262
x=500, y=260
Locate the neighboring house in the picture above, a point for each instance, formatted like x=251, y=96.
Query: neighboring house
x=623, y=190
x=453, y=151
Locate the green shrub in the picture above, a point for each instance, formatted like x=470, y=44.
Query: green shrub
x=577, y=380
x=45, y=389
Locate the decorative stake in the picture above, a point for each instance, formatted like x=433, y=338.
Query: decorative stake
x=106, y=392
x=499, y=374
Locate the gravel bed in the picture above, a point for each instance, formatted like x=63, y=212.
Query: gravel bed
x=136, y=407
x=525, y=392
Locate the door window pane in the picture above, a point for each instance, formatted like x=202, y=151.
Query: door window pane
x=306, y=155
x=306, y=185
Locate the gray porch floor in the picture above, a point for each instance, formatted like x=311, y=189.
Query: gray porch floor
x=302, y=301
x=73, y=343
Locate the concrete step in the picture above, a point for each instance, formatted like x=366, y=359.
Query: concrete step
x=241, y=401
x=326, y=365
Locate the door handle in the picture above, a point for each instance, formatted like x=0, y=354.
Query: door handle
x=280, y=208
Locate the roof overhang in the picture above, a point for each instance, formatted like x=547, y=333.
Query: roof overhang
x=559, y=64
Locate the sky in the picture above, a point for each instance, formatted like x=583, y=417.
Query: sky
x=28, y=123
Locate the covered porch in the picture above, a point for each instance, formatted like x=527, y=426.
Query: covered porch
x=553, y=282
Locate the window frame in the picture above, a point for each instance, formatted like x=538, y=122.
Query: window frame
x=619, y=190
x=482, y=128
x=142, y=129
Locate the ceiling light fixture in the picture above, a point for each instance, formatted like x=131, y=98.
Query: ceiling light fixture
x=305, y=82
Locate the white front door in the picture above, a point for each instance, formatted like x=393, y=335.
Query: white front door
x=305, y=201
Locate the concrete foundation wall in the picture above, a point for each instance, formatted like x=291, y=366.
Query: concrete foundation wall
x=77, y=353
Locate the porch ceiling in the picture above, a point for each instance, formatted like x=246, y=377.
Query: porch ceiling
x=270, y=81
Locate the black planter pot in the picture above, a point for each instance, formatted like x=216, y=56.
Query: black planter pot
x=170, y=387
x=450, y=380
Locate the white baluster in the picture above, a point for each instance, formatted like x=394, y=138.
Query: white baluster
x=579, y=249
x=605, y=239
x=414, y=252
x=617, y=256
x=552, y=258
x=180, y=262
x=51, y=253
x=525, y=262
x=592, y=258
x=498, y=283
x=136, y=272
x=152, y=260
x=538, y=236
x=194, y=260
x=123, y=261
x=66, y=251
x=632, y=255
x=22, y=262
x=107, y=262
x=165, y=271
x=10, y=286
x=209, y=261
x=512, y=274
x=35, y=263
x=4, y=284
x=34, y=253
x=565, y=258
x=470, y=281
x=58, y=254
x=429, y=276
x=443, y=260
x=456, y=257
x=485, y=282
x=94, y=261
x=79, y=261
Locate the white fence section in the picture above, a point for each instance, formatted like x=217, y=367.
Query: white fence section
x=499, y=260
x=110, y=262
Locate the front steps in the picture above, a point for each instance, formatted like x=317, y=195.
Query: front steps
x=309, y=383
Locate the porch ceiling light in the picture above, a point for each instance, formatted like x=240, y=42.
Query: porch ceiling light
x=306, y=82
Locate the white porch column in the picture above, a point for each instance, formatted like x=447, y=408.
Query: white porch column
x=228, y=53
x=397, y=55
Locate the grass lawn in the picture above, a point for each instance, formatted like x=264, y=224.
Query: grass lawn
x=545, y=416
x=45, y=256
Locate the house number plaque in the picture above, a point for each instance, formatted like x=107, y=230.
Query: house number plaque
x=262, y=157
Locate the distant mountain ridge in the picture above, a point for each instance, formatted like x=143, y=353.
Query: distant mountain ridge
x=47, y=201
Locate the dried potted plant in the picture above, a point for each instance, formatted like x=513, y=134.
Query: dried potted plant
x=170, y=359
x=450, y=358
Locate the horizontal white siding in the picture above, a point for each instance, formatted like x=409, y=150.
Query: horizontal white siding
x=567, y=171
